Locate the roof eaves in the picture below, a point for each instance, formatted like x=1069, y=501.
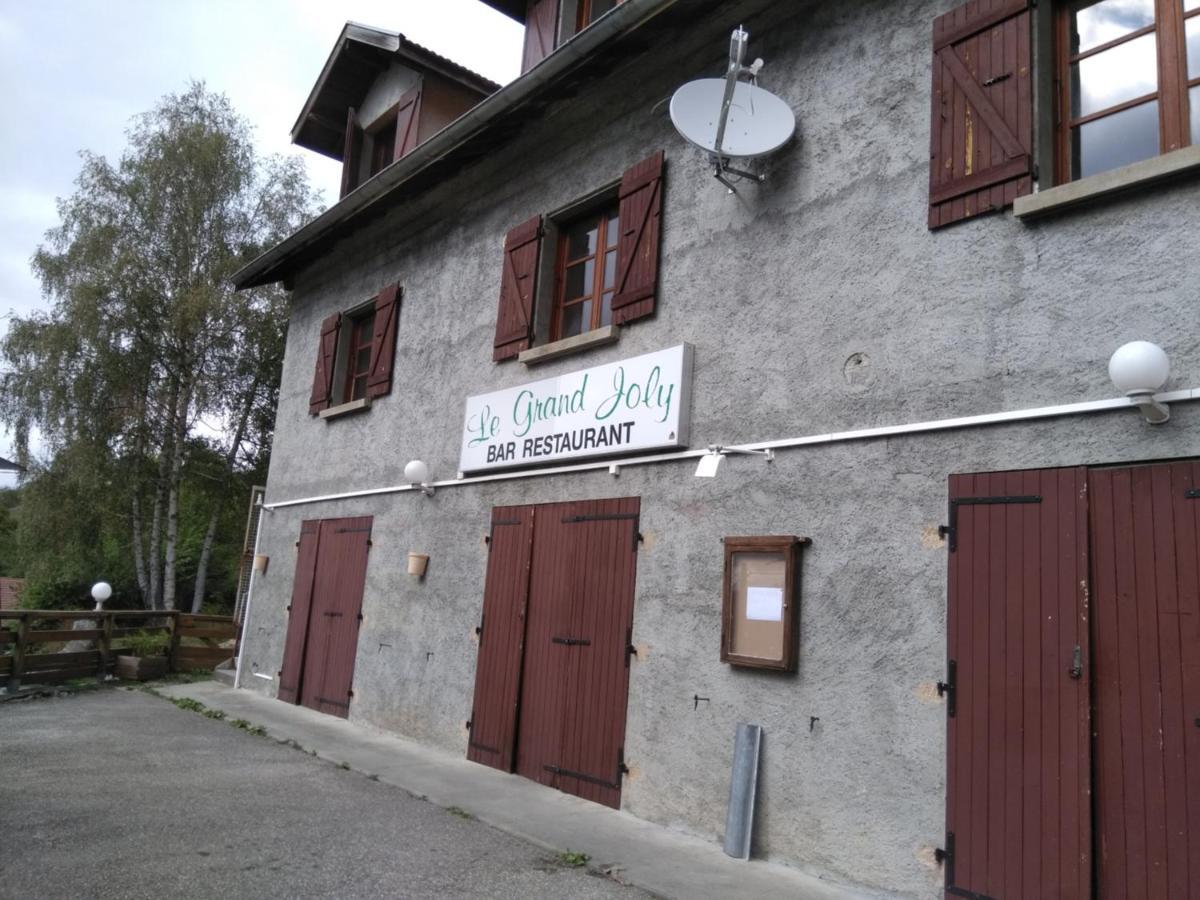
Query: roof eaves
x=268, y=267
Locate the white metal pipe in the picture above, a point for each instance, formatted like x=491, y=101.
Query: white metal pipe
x=237, y=673
x=836, y=437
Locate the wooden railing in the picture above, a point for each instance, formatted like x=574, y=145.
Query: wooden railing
x=33, y=642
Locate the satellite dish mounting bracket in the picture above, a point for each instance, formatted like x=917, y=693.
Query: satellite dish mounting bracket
x=737, y=69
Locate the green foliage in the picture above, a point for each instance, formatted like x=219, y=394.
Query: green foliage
x=189, y=704
x=459, y=811
x=573, y=858
x=151, y=382
x=147, y=643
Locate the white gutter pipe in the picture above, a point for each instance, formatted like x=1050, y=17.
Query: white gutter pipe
x=241, y=657
x=837, y=437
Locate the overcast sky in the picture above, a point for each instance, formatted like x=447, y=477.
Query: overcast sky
x=74, y=72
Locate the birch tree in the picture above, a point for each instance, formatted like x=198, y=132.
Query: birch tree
x=145, y=348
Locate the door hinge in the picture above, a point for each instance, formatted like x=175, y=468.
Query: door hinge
x=630, y=650
x=946, y=688
x=945, y=856
x=951, y=530
x=622, y=769
x=479, y=629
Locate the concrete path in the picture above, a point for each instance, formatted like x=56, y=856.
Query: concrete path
x=118, y=794
x=634, y=851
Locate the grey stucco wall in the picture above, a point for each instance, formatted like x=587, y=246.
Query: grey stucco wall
x=818, y=302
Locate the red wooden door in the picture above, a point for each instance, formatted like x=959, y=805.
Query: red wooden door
x=501, y=638
x=574, y=677
x=603, y=537
x=322, y=639
x=1018, y=789
x=298, y=612
x=1146, y=596
x=544, y=669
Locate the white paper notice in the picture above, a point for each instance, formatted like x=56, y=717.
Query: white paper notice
x=764, y=604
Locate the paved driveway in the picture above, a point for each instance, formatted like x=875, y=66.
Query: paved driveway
x=118, y=794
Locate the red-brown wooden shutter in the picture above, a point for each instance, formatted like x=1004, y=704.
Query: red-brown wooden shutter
x=1018, y=785
x=383, y=346
x=298, y=613
x=408, y=115
x=518, y=282
x=981, y=135
x=322, y=388
x=641, y=232
x=350, y=153
x=541, y=27
x=501, y=639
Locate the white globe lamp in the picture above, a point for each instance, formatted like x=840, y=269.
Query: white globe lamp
x=101, y=591
x=417, y=473
x=1138, y=370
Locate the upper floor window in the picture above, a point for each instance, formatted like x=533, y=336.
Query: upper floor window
x=590, y=10
x=360, y=342
x=1129, y=82
x=355, y=354
x=586, y=273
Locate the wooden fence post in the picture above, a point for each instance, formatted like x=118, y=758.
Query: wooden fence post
x=173, y=652
x=18, y=659
x=105, y=645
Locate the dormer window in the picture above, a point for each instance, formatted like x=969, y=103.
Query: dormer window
x=379, y=97
x=382, y=137
x=591, y=10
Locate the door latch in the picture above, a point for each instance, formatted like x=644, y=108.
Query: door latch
x=1076, y=670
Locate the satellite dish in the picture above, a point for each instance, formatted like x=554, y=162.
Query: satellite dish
x=727, y=117
x=758, y=122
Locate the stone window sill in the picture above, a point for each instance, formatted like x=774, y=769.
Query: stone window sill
x=1095, y=188
x=345, y=409
x=609, y=334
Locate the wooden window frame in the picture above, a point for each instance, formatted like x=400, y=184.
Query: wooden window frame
x=606, y=209
x=352, y=323
x=374, y=131
x=788, y=546
x=1173, y=84
x=583, y=14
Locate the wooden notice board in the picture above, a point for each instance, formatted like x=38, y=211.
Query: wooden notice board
x=760, y=603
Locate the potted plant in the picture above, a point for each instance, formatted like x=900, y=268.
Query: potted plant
x=144, y=656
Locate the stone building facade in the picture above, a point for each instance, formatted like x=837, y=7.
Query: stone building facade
x=823, y=319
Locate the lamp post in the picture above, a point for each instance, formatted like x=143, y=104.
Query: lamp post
x=101, y=591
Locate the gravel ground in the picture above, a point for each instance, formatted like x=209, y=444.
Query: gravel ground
x=118, y=794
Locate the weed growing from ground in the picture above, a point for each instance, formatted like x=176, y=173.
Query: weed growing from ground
x=573, y=858
x=460, y=812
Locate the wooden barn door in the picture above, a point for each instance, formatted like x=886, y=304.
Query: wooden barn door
x=493, y=724
x=558, y=606
x=322, y=638
x=1146, y=600
x=1018, y=791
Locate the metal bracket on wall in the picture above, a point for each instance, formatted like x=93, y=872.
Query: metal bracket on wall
x=1193, y=494
x=951, y=530
x=946, y=857
x=946, y=688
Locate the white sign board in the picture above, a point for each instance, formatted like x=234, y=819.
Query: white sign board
x=623, y=407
